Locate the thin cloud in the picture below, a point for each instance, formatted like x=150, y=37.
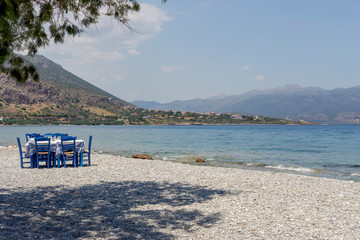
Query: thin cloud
x=136, y=94
x=206, y=4
x=148, y=22
x=259, y=77
x=133, y=52
x=184, y=14
x=107, y=56
x=167, y=69
x=246, y=67
x=99, y=43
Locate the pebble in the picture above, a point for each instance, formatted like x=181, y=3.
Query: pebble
x=119, y=198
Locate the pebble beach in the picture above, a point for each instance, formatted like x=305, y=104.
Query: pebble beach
x=123, y=198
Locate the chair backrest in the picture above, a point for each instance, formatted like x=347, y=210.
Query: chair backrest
x=32, y=135
x=58, y=135
x=90, y=140
x=27, y=136
x=67, y=143
x=66, y=137
x=49, y=135
x=44, y=146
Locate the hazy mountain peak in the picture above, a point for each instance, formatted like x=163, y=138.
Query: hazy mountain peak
x=219, y=96
x=292, y=101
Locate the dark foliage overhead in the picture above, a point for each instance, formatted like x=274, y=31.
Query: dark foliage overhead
x=29, y=25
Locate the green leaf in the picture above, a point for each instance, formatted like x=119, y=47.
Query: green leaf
x=17, y=74
x=28, y=25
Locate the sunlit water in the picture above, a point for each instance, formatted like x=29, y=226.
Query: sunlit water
x=325, y=151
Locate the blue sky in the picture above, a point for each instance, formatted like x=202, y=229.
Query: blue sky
x=188, y=49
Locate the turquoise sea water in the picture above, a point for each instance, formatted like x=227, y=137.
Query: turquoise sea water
x=325, y=150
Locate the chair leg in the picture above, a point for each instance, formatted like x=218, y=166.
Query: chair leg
x=33, y=161
x=75, y=160
x=54, y=160
x=58, y=161
x=64, y=161
x=81, y=159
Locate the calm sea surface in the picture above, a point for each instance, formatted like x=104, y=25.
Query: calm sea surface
x=325, y=151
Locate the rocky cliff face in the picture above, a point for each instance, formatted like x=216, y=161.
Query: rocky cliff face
x=43, y=92
x=58, y=93
x=28, y=93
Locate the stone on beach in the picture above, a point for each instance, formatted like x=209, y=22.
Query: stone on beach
x=142, y=156
x=200, y=160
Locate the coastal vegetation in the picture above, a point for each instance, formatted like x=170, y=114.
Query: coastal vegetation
x=63, y=98
x=130, y=116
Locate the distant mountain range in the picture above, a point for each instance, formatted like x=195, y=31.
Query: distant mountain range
x=60, y=97
x=291, y=102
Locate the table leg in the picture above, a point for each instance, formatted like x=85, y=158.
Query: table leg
x=31, y=161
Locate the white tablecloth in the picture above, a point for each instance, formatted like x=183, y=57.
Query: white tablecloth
x=55, y=147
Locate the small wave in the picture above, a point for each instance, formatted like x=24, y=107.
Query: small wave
x=232, y=163
x=342, y=165
x=308, y=151
x=256, y=164
x=355, y=174
x=296, y=169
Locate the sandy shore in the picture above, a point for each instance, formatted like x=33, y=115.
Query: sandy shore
x=119, y=198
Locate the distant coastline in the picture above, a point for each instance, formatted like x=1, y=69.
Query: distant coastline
x=138, y=116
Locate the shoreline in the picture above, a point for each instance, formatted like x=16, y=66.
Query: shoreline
x=256, y=166
x=119, y=197
x=200, y=124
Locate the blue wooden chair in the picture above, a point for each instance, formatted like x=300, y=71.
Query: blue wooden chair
x=22, y=156
x=68, y=150
x=52, y=154
x=86, y=154
x=27, y=136
x=42, y=146
x=32, y=135
x=57, y=134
